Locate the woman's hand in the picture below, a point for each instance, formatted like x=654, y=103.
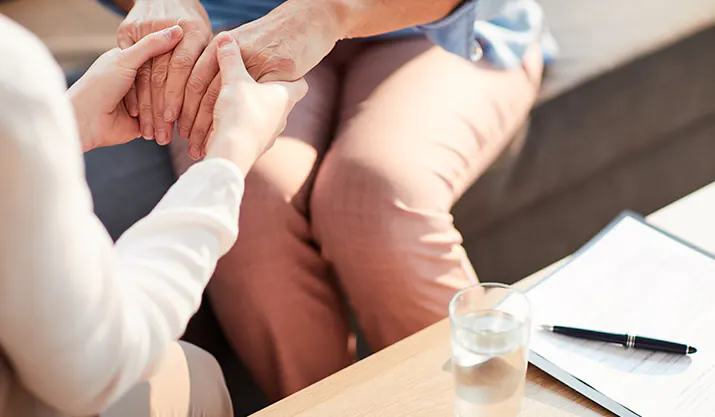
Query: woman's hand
x=281, y=46
x=159, y=93
x=248, y=116
x=97, y=97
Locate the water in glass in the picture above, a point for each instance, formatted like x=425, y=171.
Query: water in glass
x=489, y=359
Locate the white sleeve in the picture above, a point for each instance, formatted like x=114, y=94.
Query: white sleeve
x=83, y=320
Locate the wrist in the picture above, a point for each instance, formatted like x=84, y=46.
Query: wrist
x=83, y=125
x=336, y=17
x=240, y=151
x=347, y=14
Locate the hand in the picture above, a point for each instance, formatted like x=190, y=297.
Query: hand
x=102, y=117
x=281, y=46
x=248, y=116
x=159, y=93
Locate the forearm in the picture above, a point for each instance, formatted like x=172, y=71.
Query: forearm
x=103, y=315
x=362, y=18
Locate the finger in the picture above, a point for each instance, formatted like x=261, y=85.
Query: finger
x=198, y=83
x=204, y=119
x=143, y=87
x=182, y=62
x=126, y=35
x=124, y=42
x=229, y=59
x=150, y=46
x=159, y=71
x=131, y=102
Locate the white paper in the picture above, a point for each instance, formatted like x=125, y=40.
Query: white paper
x=639, y=281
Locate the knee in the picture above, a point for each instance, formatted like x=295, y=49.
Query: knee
x=264, y=193
x=376, y=199
x=272, y=206
x=208, y=395
x=189, y=382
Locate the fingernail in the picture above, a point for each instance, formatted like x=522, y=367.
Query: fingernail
x=225, y=41
x=147, y=133
x=168, y=115
x=184, y=133
x=194, y=152
x=161, y=137
x=173, y=32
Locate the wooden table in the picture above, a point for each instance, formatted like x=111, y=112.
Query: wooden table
x=410, y=377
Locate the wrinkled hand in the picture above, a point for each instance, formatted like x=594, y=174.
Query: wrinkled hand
x=281, y=46
x=97, y=97
x=248, y=116
x=159, y=90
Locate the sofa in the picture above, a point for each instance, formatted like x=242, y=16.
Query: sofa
x=625, y=120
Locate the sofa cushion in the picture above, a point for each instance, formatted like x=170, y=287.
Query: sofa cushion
x=633, y=78
x=127, y=181
x=582, y=136
x=597, y=36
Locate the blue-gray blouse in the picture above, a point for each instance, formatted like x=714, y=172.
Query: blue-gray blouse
x=500, y=31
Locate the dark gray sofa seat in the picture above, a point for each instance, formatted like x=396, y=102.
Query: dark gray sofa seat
x=637, y=137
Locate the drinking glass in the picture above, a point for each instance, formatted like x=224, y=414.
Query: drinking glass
x=490, y=326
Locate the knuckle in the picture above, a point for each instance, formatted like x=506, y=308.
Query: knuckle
x=275, y=63
x=198, y=31
x=184, y=126
x=181, y=62
x=158, y=74
x=210, y=97
x=187, y=24
x=131, y=29
x=144, y=108
x=199, y=134
x=143, y=74
x=127, y=27
x=223, y=33
x=196, y=85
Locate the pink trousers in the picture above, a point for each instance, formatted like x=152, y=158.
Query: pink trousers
x=351, y=208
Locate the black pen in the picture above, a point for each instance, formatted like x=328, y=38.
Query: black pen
x=628, y=341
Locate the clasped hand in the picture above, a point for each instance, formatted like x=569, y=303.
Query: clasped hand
x=182, y=86
x=245, y=120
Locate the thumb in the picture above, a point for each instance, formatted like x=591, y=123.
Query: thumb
x=296, y=89
x=158, y=43
x=230, y=61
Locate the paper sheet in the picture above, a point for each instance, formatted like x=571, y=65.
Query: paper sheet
x=635, y=280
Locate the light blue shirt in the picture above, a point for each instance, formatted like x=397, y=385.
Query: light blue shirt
x=499, y=30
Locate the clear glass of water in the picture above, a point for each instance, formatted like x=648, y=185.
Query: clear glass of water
x=490, y=327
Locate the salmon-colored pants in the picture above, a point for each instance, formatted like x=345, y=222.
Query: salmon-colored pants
x=351, y=207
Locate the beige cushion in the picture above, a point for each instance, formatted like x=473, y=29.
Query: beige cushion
x=596, y=36
x=75, y=31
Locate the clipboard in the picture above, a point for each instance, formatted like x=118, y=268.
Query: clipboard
x=626, y=249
